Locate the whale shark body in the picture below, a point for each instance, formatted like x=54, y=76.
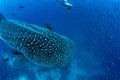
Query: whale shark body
x=36, y=44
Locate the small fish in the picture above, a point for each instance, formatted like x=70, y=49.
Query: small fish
x=6, y=58
x=21, y=7
x=36, y=44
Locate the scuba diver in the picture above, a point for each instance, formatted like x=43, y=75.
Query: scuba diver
x=65, y=3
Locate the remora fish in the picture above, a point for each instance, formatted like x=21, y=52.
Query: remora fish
x=38, y=45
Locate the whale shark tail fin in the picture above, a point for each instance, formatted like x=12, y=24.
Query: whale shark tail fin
x=2, y=17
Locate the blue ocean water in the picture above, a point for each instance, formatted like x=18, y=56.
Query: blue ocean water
x=92, y=24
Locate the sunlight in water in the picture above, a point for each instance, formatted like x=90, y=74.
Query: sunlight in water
x=23, y=78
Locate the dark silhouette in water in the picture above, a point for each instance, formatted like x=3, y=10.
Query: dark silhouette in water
x=6, y=58
x=21, y=7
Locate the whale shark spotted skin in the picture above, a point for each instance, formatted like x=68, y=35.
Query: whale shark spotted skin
x=38, y=45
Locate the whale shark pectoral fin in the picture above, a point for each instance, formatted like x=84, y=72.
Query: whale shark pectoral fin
x=19, y=61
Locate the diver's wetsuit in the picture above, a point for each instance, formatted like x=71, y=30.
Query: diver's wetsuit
x=65, y=3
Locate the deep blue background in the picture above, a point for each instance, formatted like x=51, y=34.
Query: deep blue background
x=94, y=26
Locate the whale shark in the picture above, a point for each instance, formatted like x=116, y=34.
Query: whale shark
x=36, y=44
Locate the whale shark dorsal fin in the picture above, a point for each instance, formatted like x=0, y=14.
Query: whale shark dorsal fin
x=49, y=26
x=2, y=17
